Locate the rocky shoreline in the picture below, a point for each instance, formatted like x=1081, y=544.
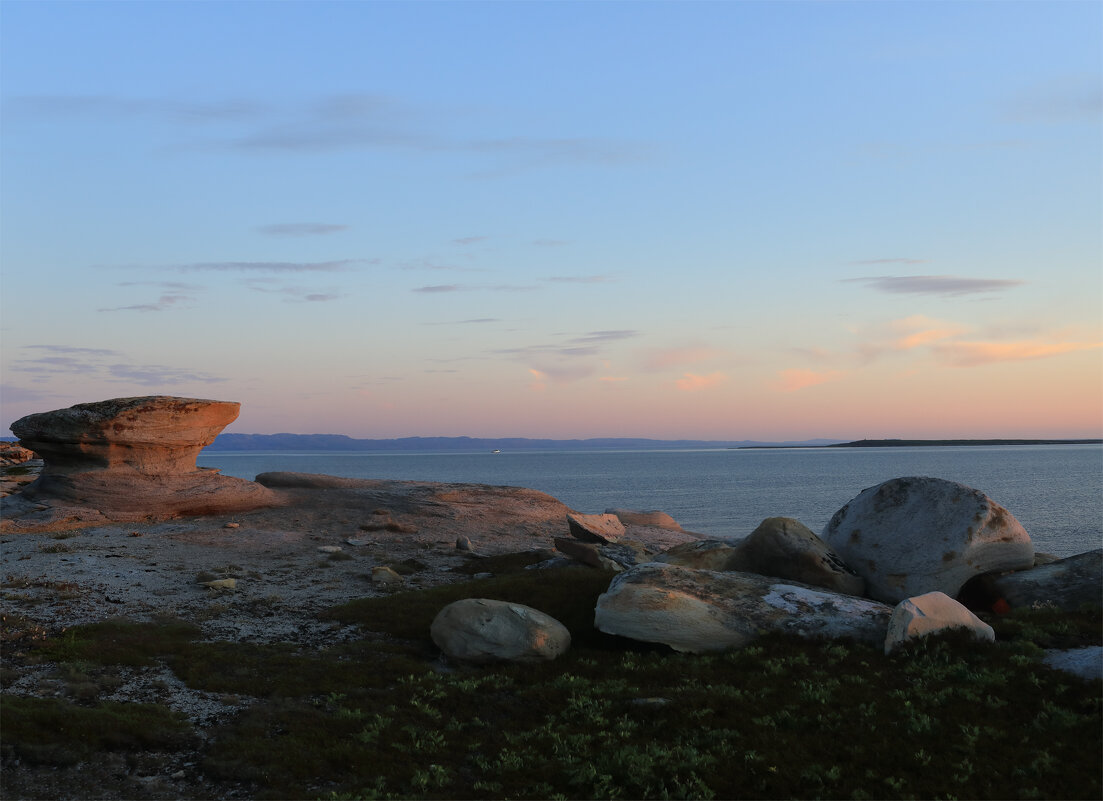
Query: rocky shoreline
x=264, y=573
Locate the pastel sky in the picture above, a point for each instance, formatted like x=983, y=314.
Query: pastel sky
x=718, y=220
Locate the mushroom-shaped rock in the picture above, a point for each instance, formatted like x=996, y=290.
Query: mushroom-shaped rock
x=595, y=528
x=482, y=630
x=706, y=610
x=137, y=456
x=929, y=614
x=910, y=536
x=786, y=548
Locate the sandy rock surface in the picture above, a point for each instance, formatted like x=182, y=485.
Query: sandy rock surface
x=66, y=565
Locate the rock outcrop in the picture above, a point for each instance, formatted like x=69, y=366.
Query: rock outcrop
x=930, y=614
x=595, y=528
x=481, y=630
x=703, y=555
x=786, y=548
x=1065, y=583
x=910, y=536
x=135, y=458
x=705, y=610
x=652, y=517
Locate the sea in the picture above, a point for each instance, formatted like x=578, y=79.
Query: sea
x=1055, y=491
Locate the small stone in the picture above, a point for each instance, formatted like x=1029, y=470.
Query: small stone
x=232, y=525
x=221, y=584
x=463, y=544
x=330, y=549
x=203, y=576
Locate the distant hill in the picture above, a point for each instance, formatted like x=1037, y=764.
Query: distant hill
x=911, y=443
x=340, y=442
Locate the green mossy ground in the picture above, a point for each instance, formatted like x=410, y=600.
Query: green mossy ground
x=382, y=717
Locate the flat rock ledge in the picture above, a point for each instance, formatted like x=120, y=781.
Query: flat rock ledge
x=705, y=610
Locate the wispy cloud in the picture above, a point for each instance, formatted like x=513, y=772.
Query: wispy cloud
x=293, y=294
x=434, y=289
x=942, y=285
x=152, y=375
x=691, y=382
x=332, y=124
x=797, y=379
x=580, y=279
x=919, y=330
x=301, y=229
x=112, y=108
x=1070, y=98
x=607, y=336
x=102, y=363
x=667, y=358
x=268, y=266
x=890, y=261
x=469, y=240
x=974, y=354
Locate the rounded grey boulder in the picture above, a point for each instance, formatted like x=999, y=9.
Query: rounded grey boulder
x=482, y=630
x=910, y=536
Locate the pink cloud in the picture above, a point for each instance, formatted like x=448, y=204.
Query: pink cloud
x=676, y=357
x=691, y=382
x=972, y=354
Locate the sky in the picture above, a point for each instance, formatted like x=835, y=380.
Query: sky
x=711, y=220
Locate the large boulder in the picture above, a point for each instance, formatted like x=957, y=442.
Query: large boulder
x=930, y=614
x=1067, y=584
x=481, y=630
x=910, y=536
x=786, y=548
x=706, y=610
x=136, y=457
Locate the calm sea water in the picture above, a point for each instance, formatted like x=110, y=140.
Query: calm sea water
x=1056, y=492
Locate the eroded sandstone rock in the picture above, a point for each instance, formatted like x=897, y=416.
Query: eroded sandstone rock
x=910, y=536
x=136, y=457
x=706, y=610
x=483, y=630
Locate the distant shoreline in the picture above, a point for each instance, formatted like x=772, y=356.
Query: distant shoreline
x=914, y=443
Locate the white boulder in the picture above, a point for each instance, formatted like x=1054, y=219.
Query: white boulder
x=482, y=630
x=910, y=536
x=929, y=614
x=706, y=610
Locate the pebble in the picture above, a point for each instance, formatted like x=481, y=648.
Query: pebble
x=232, y=525
x=330, y=549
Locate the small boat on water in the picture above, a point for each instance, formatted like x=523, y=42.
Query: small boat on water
x=495, y=451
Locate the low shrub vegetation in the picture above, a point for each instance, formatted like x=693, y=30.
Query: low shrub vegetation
x=385, y=717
